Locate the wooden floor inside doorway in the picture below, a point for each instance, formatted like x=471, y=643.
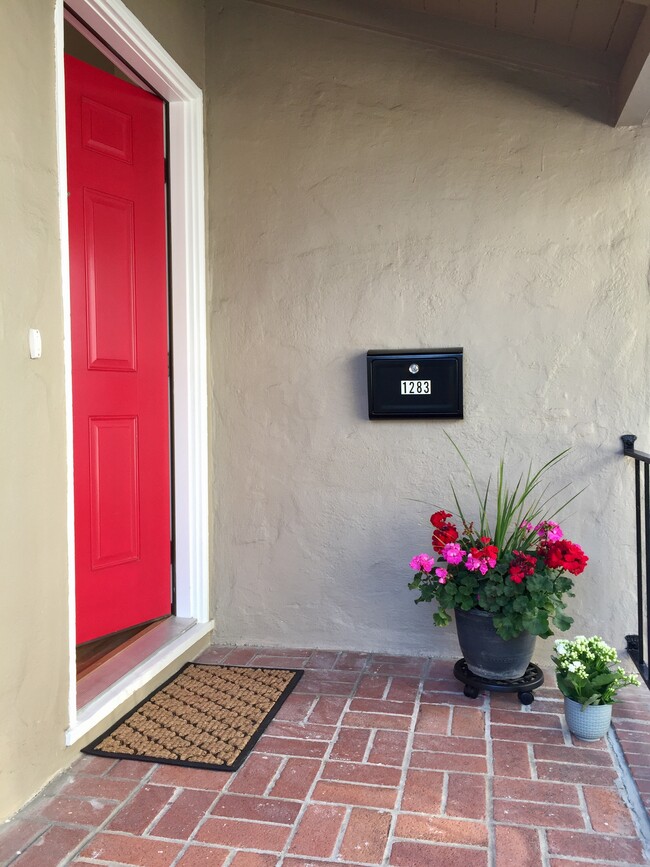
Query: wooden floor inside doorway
x=94, y=653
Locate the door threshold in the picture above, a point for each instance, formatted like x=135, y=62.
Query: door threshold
x=104, y=689
x=95, y=653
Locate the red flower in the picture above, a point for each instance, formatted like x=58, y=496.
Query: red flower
x=565, y=555
x=439, y=519
x=485, y=540
x=444, y=531
x=489, y=553
x=521, y=567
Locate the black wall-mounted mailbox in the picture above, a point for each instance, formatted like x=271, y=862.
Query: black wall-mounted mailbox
x=415, y=383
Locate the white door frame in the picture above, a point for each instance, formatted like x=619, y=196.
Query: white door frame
x=121, y=30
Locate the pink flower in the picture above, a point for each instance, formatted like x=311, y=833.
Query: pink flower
x=473, y=563
x=526, y=525
x=550, y=531
x=422, y=563
x=453, y=553
x=442, y=575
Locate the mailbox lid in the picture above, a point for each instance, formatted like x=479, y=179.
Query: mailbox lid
x=440, y=374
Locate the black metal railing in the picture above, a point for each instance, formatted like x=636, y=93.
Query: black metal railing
x=638, y=645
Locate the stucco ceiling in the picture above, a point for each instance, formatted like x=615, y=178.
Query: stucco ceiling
x=605, y=42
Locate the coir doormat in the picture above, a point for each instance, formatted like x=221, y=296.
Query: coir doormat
x=206, y=716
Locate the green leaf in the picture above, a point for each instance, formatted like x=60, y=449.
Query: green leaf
x=441, y=618
x=604, y=679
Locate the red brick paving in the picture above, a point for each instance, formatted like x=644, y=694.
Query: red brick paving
x=371, y=761
x=141, y=810
x=55, y=845
x=204, y=856
x=357, y=795
x=77, y=811
x=318, y=831
x=518, y=847
x=388, y=748
x=256, y=774
x=18, y=835
x=511, y=760
x=606, y=812
x=423, y=791
x=357, y=772
x=535, y=790
x=129, y=849
x=179, y=821
x=407, y=854
x=244, y=835
x=296, y=779
x=351, y=745
x=366, y=836
x=466, y=796
x=631, y=722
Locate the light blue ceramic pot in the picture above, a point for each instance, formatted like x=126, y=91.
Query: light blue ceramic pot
x=590, y=723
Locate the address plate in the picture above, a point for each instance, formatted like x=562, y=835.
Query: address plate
x=416, y=386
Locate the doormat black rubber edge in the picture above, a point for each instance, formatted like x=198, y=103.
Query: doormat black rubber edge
x=92, y=750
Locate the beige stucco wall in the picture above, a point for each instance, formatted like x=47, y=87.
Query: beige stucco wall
x=367, y=192
x=34, y=658
x=33, y=663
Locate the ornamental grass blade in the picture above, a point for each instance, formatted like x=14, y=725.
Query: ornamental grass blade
x=512, y=510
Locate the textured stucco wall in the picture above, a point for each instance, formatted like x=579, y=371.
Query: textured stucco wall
x=367, y=192
x=33, y=662
x=34, y=658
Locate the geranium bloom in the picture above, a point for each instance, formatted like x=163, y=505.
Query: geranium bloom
x=550, y=531
x=439, y=519
x=511, y=561
x=444, y=532
x=422, y=563
x=452, y=553
x=521, y=567
x=488, y=554
x=565, y=555
x=478, y=563
x=442, y=575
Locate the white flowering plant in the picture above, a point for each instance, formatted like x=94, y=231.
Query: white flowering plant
x=589, y=671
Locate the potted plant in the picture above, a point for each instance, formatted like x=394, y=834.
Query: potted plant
x=506, y=577
x=589, y=675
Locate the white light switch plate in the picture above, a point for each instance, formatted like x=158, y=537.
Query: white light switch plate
x=35, y=347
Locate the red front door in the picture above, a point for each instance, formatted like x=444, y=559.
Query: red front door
x=116, y=209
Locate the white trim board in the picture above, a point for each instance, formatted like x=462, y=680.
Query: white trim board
x=111, y=699
x=121, y=30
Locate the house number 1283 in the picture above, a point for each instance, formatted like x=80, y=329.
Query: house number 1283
x=416, y=386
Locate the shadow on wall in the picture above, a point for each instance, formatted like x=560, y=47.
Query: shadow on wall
x=593, y=101
x=359, y=384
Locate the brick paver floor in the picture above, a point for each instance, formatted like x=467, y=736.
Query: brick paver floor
x=373, y=760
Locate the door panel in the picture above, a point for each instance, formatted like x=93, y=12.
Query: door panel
x=116, y=208
x=110, y=281
x=114, y=496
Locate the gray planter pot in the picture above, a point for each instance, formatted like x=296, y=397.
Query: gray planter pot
x=486, y=653
x=590, y=723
